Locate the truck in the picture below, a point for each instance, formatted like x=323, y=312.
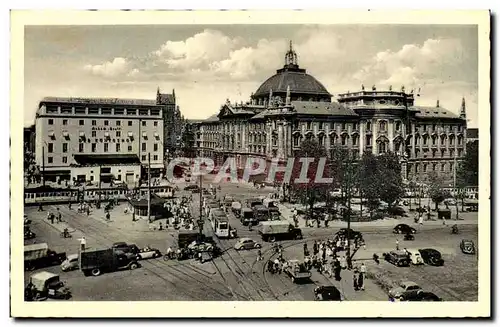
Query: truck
x=296, y=270
x=45, y=284
x=279, y=230
x=40, y=256
x=96, y=262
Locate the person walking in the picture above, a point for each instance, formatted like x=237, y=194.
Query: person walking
x=355, y=278
x=83, y=243
x=40, y=207
x=362, y=272
x=259, y=255
x=59, y=216
x=397, y=245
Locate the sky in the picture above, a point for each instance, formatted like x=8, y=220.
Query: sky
x=208, y=64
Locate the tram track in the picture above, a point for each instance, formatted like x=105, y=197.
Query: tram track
x=102, y=239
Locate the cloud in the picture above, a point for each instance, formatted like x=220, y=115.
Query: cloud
x=413, y=64
x=118, y=67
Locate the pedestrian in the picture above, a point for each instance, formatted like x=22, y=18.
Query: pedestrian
x=315, y=248
x=40, y=208
x=259, y=255
x=83, y=243
x=160, y=226
x=397, y=245
x=108, y=217
x=421, y=219
x=361, y=281
x=59, y=216
x=343, y=262
x=355, y=278
x=323, y=254
x=69, y=205
x=88, y=211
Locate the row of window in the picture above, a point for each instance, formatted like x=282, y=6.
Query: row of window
x=81, y=122
x=433, y=167
x=64, y=160
x=102, y=111
x=81, y=147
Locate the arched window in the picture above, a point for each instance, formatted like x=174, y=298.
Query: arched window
x=321, y=139
x=398, y=126
x=382, y=147
x=333, y=139
x=344, y=139
x=424, y=138
x=434, y=139
x=452, y=140
x=354, y=140
x=296, y=140
x=368, y=126
x=368, y=140
x=417, y=139
x=382, y=125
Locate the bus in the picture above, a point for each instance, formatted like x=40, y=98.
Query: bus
x=220, y=225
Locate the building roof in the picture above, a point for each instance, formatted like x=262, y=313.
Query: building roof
x=100, y=101
x=322, y=108
x=433, y=112
x=472, y=133
x=299, y=81
x=143, y=201
x=106, y=159
x=165, y=98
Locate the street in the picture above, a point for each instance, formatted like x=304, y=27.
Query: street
x=237, y=275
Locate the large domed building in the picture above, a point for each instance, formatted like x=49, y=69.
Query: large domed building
x=291, y=106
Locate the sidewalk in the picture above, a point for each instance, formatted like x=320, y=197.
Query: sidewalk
x=468, y=219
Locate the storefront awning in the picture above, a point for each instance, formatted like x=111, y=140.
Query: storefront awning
x=106, y=159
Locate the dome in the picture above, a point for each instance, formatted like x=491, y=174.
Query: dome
x=299, y=81
x=301, y=84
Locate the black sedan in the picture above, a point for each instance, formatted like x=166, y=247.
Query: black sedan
x=327, y=293
x=431, y=257
x=420, y=296
x=467, y=247
x=194, y=188
x=352, y=234
x=404, y=229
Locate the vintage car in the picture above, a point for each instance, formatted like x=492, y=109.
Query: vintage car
x=397, y=258
x=296, y=270
x=148, y=253
x=415, y=257
x=192, y=188
x=44, y=284
x=71, y=263
x=404, y=229
x=431, y=257
x=246, y=243
x=419, y=295
x=126, y=248
x=28, y=234
x=467, y=247
x=404, y=286
x=352, y=234
x=327, y=293
x=197, y=246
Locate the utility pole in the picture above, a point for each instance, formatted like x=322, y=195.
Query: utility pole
x=149, y=187
x=43, y=166
x=200, y=222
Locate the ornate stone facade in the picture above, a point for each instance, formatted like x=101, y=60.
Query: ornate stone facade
x=426, y=138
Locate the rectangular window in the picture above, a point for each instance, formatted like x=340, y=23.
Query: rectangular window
x=320, y=125
x=355, y=127
x=308, y=125
x=130, y=123
x=117, y=147
x=50, y=147
x=143, y=123
x=155, y=157
x=81, y=122
x=65, y=147
x=65, y=160
x=94, y=134
x=81, y=147
x=118, y=134
x=368, y=126
x=118, y=123
x=106, y=122
x=94, y=147
x=94, y=122
x=65, y=122
x=50, y=160
x=119, y=111
x=155, y=124
x=344, y=126
x=51, y=121
x=143, y=147
x=143, y=158
x=106, y=147
x=354, y=141
x=129, y=148
x=155, y=147
x=93, y=111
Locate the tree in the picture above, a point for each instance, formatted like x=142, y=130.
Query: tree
x=468, y=169
x=311, y=192
x=436, y=191
x=391, y=183
x=368, y=177
x=343, y=170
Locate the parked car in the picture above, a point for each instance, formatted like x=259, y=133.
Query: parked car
x=404, y=286
x=431, y=257
x=197, y=246
x=404, y=229
x=48, y=285
x=246, y=243
x=397, y=258
x=327, y=293
x=419, y=295
x=467, y=247
x=148, y=253
x=71, y=263
x=415, y=257
x=397, y=211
